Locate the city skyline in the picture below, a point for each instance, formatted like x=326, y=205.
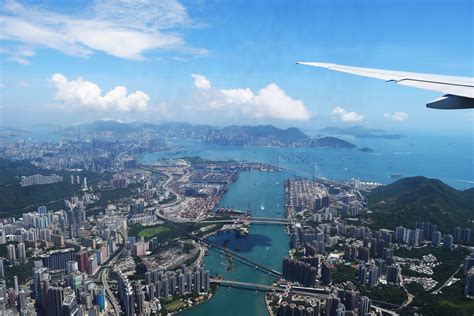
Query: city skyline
x=197, y=62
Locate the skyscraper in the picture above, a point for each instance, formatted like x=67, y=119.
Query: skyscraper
x=326, y=278
x=393, y=274
x=82, y=259
x=373, y=276
x=21, y=253
x=55, y=301
x=11, y=254
x=466, y=235
x=469, y=286
x=364, y=305
x=448, y=242
x=457, y=234
x=436, y=238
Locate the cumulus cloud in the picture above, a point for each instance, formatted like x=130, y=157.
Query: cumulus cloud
x=121, y=28
x=397, y=116
x=270, y=102
x=80, y=93
x=342, y=115
x=201, y=82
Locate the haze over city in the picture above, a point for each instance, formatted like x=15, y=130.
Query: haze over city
x=209, y=62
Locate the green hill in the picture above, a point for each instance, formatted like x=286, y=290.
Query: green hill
x=15, y=198
x=12, y=170
x=421, y=199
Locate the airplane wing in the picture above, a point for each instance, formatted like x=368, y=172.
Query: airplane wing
x=459, y=91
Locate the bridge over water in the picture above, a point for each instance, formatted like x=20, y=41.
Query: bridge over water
x=314, y=292
x=255, y=221
x=238, y=257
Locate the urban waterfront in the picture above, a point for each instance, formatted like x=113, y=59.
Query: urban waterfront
x=264, y=192
x=264, y=244
x=412, y=155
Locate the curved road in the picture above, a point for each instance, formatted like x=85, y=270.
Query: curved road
x=104, y=274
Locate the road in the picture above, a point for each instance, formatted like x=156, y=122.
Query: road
x=110, y=296
x=104, y=275
x=448, y=282
x=179, y=198
x=267, y=288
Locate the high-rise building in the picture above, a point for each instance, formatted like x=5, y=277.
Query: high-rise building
x=37, y=284
x=373, y=276
x=42, y=210
x=332, y=303
x=3, y=236
x=181, y=284
x=58, y=259
x=326, y=278
x=55, y=301
x=457, y=234
x=448, y=242
x=364, y=306
x=436, y=238
x=299, y=271
x=2, y=270
x=469, y=286
x=351, y=299
x=400, y=233
x=197, y=282
x=92, y=265
x=362, y=274
x=21, y=300
x=468, y=262
x=21, y=253
x=466, y=235
x=15, y=284
x=69, y=305
x=82, y=259
x=11, y=254
x=393, y=274
x=206, y=286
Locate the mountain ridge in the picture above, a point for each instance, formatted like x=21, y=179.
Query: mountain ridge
x=236, y=135
x=422, y=199
x=360, y=131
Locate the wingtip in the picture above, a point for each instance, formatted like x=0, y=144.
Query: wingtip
x=314, y=64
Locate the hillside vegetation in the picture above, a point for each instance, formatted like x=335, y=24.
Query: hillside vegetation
x=421, y=199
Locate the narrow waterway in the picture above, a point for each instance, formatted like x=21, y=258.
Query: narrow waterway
x=264, y=244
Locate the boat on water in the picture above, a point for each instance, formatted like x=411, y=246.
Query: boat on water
x=396, y=175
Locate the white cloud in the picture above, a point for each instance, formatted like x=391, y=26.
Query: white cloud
x=237, y=96
x=344, y=116
x=271, y=102
x=19, y=54
x=124, y=28
x=397, y=116
x=86, y=94
x=201, y=82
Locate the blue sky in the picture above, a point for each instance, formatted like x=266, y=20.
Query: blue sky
x=242, y=55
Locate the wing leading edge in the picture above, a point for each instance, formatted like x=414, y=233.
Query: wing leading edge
x=459, y=91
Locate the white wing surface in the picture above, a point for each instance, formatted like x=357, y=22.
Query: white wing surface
x=459, y=91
